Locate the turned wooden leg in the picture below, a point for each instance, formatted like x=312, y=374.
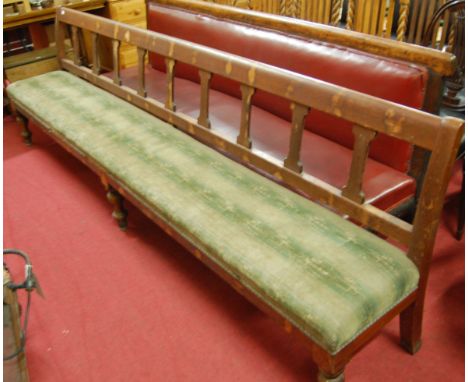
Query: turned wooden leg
x=411, y=327
x=119, y=213
x=25, y=132
x=322, y=377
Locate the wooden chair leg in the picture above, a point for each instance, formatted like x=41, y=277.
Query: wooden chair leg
x=322, y=377
x=25, y=132
x=411, y=327
x=119, y=213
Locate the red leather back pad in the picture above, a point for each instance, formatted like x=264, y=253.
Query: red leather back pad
x=388, y=79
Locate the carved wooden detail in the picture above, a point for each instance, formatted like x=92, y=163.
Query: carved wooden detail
x=95, y=53
x=205, y=80
x=25, y=131
x=456, y=44
x=119, y=212
x=76, y=46
x=116, y=61
x=337, y=9
x=337, y=378
x=299, y=113
x=170, y=66
x=141, y=53
x=403, y=19
x=362, y=140
x=350, y=14
x=244, y=131
x=373, y=17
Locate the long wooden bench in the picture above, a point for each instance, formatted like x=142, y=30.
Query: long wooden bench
x=272, y=231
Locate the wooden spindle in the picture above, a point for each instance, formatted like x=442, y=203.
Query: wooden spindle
x=336, y=12
x=435, y=32
x=350, y=16
x=403, y=20
x=430, y=12
x=116, y=61
x=423, y=15
x=170, y=66
x=321, y=6
x=445, y=30
x=141, y=72
x=299, y=112
x=451, y=38
x=362, y=139
x=387, y=28
x=364, y=16
x=205, y=80
x=60, y=40
x=95, y=50
x=411, y=27
x=380, y=20
x=244, y=131
x=76, y=45
x=282, y=7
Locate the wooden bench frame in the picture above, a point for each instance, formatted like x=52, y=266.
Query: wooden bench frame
x=441, y=136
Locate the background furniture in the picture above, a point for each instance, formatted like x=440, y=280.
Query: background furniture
x=446, y=31
x=16, y=6
x=321, y=11
x=42, y=58
x=406, y=20
x=325, y=56
x=403, y=20
x=132, y=12
x=30, y=64
x=33, y=18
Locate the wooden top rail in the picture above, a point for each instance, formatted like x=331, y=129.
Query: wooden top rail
x=382, y=116
x=370, y=115
x=440, y=62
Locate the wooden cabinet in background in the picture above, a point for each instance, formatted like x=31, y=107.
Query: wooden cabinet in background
x=131, y=12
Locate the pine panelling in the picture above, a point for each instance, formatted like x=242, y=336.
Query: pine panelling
x=320, y=11
x=267, y=6
x=373, y=16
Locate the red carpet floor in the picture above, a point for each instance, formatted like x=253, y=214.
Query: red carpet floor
x=135, y=306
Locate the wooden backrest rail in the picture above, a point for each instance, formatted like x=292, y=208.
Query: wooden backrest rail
x=369, y=115
x=383, y=117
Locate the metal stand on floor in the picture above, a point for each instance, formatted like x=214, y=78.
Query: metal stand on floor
x=14, y=335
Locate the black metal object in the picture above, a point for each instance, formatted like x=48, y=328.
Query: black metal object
x=30, y=283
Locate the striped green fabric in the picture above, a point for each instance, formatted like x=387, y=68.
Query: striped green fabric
x=325, y=275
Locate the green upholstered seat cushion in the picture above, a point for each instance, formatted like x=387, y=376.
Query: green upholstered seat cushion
x=327, y=276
